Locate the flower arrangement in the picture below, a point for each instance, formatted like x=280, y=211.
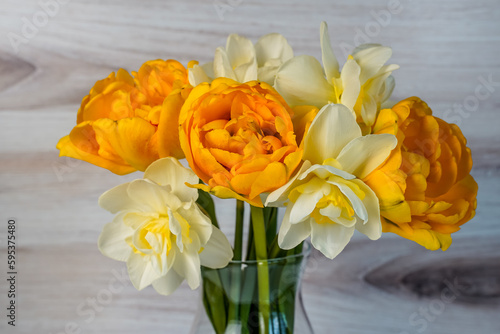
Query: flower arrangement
x=265, y=127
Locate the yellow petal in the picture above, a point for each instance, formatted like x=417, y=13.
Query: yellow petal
x=271, y=178
x=69, y=149
x=131, y=138
x=224, y=192
x=391, y=198
x=429, y=239
x=168, y=127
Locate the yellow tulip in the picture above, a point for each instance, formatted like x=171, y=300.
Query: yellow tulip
x=425, y=188
x=126, y=123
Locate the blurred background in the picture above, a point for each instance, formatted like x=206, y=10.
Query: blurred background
x=53, y=51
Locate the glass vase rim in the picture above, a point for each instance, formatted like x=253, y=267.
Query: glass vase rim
x=306, y=251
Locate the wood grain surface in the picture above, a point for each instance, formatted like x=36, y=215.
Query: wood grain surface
x=446, y=50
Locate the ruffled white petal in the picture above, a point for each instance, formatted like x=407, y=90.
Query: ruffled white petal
x=329, y=60
x=330, y=131
x=112, y=241
x=301, y=81
x=371, y=60
x=351, y=85
x=169, y=171
x=290, y=235
x=140, y=242
x=369, y=110
x=330, y=239
x=372, y=228
x=187, y=265
x=333, y=213
x=141, y=272
x=198, y=221
x=267, y=74
x=304, y=206
x=116, y=199
x=217, y=252
x=208, y=68
x=175, y=226
x=148, y=194
x=387, y=90
x=167, y=284
x=240, y=50
x=197, y=75
x=272, y=47
x=324, y=171
x=356, y=203
x=246, y=72
x=222, y=65
x=135, y=219
x=363, y=154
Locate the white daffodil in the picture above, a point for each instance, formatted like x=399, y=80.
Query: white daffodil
x=242, y=61
x=363, y=84
x=160, y=231
x=327, y=199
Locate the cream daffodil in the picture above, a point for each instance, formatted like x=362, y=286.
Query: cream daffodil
x=363, y=85
x=327, y=199
x=241, y=61
x=160, y=231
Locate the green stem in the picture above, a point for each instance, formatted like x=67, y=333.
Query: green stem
x=274, y=250
x=270, y=216
x=206, y=202
x=250, y=255
x=259, y=231
x=214, y=299
x=234, y=310
x=238, y=234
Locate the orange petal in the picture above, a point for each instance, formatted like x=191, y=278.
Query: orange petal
x=225, y=158
x=415, y=187
x=131, y=138
x=242, y=183
x=82, y=149
x=271, y=178
x=168, y=127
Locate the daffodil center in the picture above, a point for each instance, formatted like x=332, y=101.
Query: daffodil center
x=338, y=206
x=333, y=206
x=156, y=237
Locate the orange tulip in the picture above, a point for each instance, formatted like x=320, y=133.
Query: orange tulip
x=425, y=188
x=126, y=123
x=156, y=79
x=238, y=138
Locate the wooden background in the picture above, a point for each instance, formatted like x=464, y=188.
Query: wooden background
x=388, y=286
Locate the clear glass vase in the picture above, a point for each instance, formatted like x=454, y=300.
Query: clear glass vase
x=261, y=297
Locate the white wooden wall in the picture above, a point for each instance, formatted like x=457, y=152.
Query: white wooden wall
x=445, y=49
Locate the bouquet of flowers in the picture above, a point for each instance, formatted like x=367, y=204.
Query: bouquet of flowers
x=262, y=126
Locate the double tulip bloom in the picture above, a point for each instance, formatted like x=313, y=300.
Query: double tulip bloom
x=239, y=139
x=425, y=188
x=127, y=122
